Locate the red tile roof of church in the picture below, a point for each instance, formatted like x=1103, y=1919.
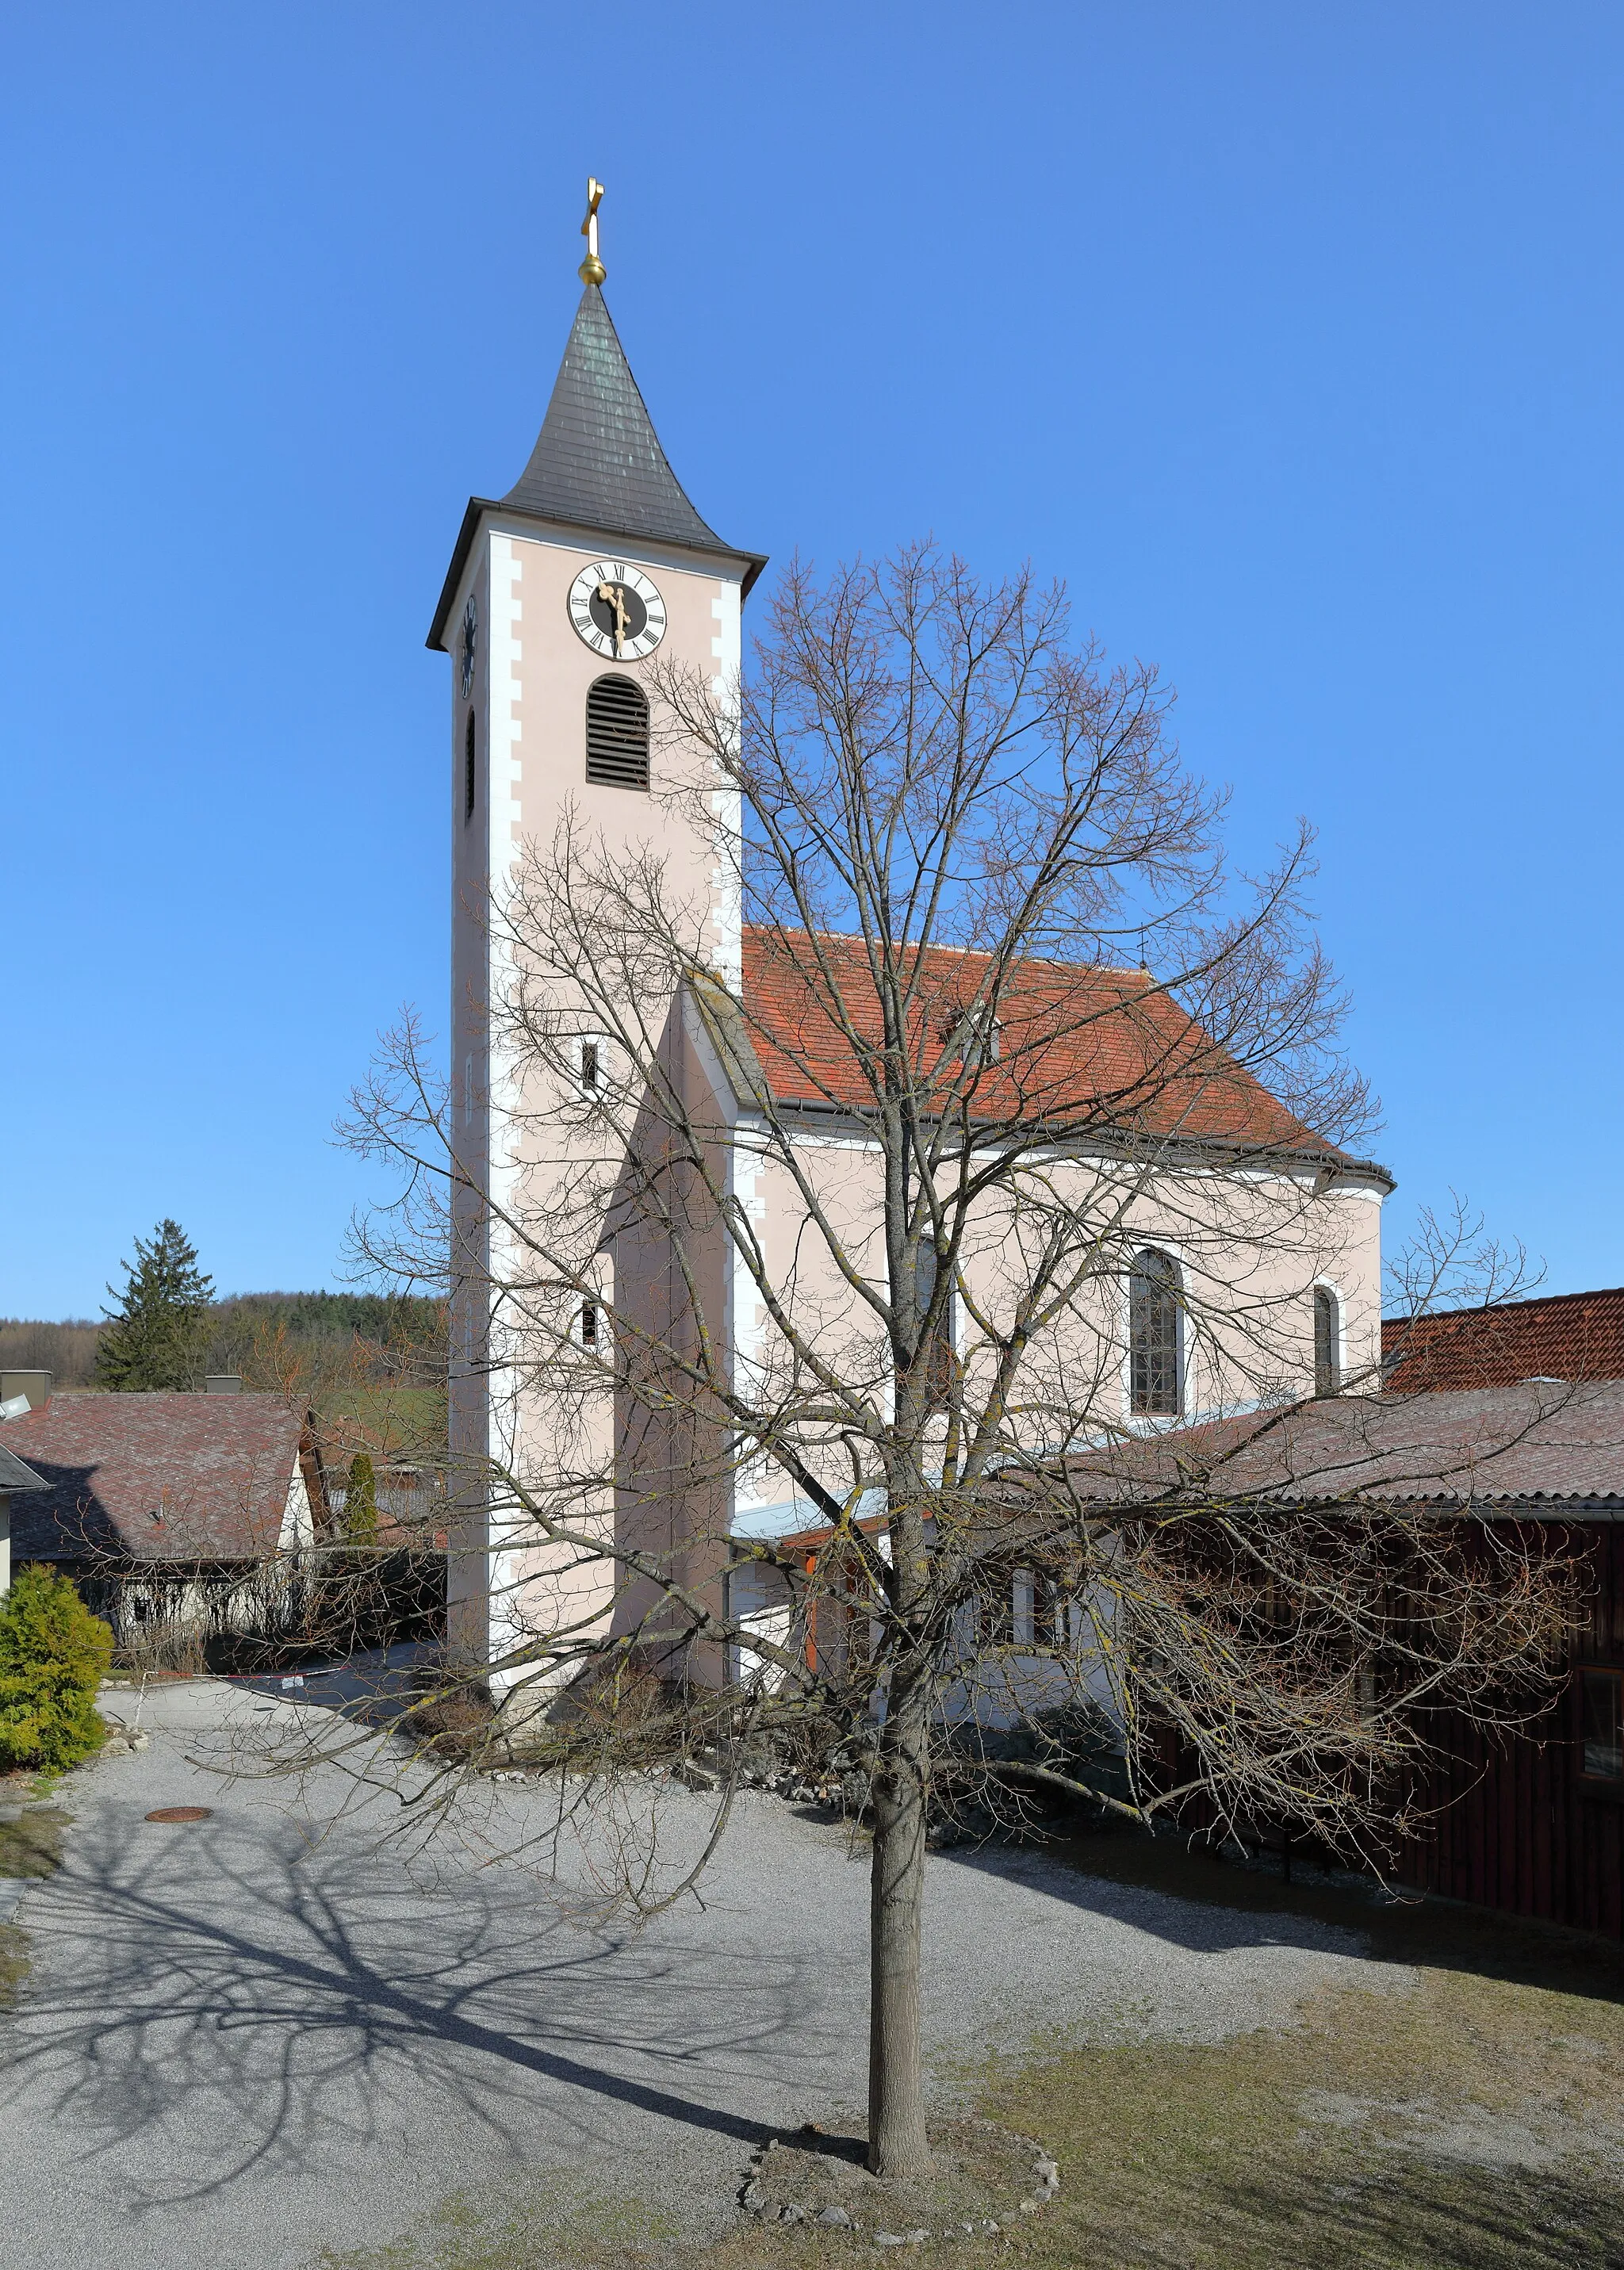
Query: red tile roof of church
x=1560, y=1336
x=1107, y=1046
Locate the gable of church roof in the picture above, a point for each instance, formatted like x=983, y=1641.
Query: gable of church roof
x=598, y=461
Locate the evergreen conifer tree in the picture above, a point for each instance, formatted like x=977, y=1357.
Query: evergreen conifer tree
x=155, y=1337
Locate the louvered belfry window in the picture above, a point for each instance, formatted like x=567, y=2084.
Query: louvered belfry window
x=617, y=734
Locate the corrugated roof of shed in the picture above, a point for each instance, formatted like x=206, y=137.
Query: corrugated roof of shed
x=1535, y=1444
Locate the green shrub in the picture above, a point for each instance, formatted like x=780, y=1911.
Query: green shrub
x=53, y=1654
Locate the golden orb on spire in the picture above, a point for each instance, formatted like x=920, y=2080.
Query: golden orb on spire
x=591, y=270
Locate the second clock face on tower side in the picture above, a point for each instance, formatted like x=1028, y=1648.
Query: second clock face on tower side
x=470, y=644
x=616, y=611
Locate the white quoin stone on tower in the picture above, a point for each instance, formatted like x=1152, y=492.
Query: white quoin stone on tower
x=531, y=622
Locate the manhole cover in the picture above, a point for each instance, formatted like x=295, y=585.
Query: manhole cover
x=182, y=1813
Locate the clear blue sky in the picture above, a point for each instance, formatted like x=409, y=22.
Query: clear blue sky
x=1290, y=335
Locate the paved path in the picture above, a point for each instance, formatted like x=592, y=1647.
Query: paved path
x=270, y=2034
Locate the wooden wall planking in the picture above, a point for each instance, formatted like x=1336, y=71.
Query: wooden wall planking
x=1514, y=1827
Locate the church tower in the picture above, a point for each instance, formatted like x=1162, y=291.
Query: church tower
x=558, y=597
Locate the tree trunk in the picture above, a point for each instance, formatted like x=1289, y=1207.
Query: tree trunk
x=897, y=2144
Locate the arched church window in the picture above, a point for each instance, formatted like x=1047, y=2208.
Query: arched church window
x=469, y=769
x=1155, y=1337
x=1327, y=1342
x=617, y=734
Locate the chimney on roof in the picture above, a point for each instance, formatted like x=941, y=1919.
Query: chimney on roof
x=33, y=1387
x=223, y=1382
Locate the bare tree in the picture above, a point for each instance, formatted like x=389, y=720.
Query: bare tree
x=1018, y=1136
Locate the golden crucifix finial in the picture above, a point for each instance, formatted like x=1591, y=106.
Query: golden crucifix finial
x=591, y=270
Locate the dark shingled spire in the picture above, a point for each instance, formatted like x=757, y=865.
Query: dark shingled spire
x=598, y=461
x=597, y=465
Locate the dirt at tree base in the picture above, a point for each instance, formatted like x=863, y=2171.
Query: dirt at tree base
x=985, y=2180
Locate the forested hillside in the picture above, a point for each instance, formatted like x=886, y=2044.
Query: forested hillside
x=372, y=1364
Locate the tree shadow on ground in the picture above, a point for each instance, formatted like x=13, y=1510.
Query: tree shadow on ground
x=215, y=1999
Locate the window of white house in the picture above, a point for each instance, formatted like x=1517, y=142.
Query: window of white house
x=1028, y=1612
x=996, y=1612
x=1601, y=1725
x=589, y=1324
x=1155, y=1337
x=1327, y=1342
x=1053, y=1613
x=588, y=1067
x=1021, y=1621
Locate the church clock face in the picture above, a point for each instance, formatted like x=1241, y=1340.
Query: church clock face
x=616, y=611
x=471, y=645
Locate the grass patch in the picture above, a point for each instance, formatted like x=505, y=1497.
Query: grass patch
x=33, y=1845
x=29, y=1847
x=1471, y=2125
x=14, y=1962
x=399, y=1422
x=561, y=2223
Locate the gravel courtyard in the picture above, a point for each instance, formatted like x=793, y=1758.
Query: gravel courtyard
x=272, y=2034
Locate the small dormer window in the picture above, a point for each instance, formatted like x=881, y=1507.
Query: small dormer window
x=617, y=734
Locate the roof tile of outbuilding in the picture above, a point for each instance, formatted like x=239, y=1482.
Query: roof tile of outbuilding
x=1560, y=1336
x=216, y=1470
